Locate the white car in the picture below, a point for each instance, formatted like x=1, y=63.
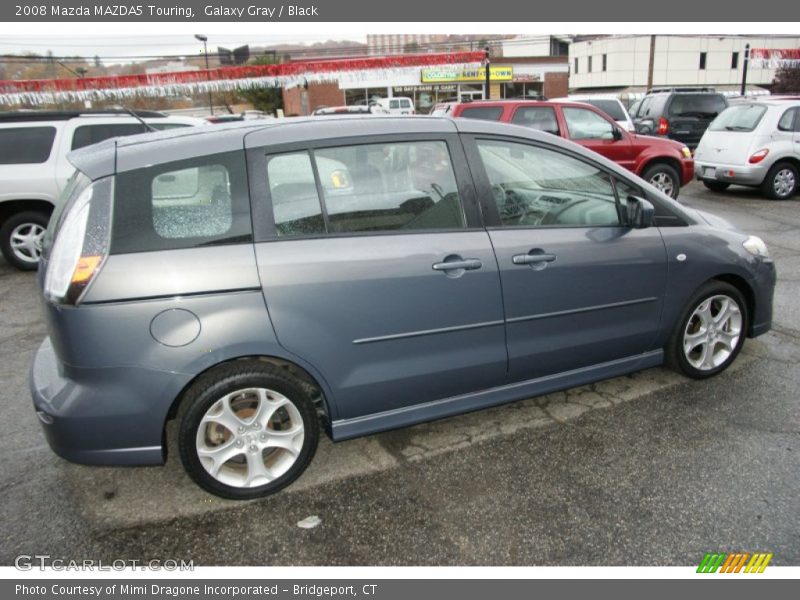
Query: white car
x=34, y=168
x=611, y=105
x=755, y=143
x=399, y=105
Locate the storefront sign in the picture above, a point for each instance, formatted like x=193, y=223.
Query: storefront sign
x=476, y=74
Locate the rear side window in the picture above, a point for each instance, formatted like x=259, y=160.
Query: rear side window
x=26, y=145
x=705, y=106
x=394, y=104
x=542, y=118
x=86, y=135
x=405, y=186
x=485, y=113
x=186, y=204
x=787, y=120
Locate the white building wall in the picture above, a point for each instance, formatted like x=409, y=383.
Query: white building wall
x=676, y=60
x=534, y=45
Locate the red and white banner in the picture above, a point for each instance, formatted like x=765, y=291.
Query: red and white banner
x=775, y=58
x=292, y=74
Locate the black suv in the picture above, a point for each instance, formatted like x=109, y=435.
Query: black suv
x=681, y=114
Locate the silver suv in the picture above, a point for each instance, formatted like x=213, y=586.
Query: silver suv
x=255, y=278
x=754, y=143
x=34, y=167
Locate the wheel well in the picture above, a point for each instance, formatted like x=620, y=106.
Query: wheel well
x=749, y=296
x=313, y=389
x=788, y=159
x=661, y=160
x=12, y=207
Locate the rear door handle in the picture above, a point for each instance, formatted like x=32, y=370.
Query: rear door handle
x=467, y=264
x=532, y=259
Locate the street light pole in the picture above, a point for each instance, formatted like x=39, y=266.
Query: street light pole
x=204, y=39
x=744, y=68
x=487, y=60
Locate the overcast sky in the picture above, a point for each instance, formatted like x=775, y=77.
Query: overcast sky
x=117, y=48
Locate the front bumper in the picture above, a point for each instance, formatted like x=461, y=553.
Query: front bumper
x=764, y=290
x=737, y=174
x=102, y=416
x=687, y=171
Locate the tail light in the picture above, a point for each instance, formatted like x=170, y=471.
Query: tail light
x=663, y=126
x=81, y=244
x=758, y=156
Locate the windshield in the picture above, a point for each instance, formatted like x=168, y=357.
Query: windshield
x=739, y=118
x=611, y=107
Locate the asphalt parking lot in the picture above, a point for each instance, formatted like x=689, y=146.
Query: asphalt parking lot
x=650, y=469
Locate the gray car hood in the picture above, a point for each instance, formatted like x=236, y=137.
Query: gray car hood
x=715, y=221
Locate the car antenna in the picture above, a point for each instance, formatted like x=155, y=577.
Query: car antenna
x=134, y=114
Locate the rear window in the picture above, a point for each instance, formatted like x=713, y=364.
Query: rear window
x=739, y=118
x=485, y=113
x=705, y=106
x=185, y=204
x=85, y=135
x=26, y=145
x=611, y=107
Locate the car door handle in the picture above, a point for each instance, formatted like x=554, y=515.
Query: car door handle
x=532, y=259
x=467, y=264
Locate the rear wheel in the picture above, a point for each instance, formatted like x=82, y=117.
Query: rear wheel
x=716, y=186
x=664, y=177
x=710, y=333
x=249, y=430
x=21, y=239
x=781, y=182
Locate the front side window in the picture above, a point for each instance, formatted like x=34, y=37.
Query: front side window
x=537, y=187
x=585, y=124
x=26, y=145
x=185, y=204
x=404, y=186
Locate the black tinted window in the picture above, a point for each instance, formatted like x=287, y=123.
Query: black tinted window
x=26, y=145
x=697, y=105
x=485, y=113
x=86, y=135
x=185, y=204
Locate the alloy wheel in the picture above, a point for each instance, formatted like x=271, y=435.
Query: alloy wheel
x=663, y=182
x=712, y=332
x=26, y=242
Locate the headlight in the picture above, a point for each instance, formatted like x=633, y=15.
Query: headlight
x=686, y=152
x=756, y=246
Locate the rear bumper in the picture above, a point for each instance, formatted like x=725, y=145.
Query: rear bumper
x=737, y=174
x=101, y=416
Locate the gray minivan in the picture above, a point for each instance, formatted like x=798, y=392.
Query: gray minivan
x=257, y=279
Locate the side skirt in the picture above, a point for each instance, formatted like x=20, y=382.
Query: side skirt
x=345, y=429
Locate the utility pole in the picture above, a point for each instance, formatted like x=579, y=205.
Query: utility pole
x=651, y=62
x=204, y=39
x=744, y=68
x=488, y=62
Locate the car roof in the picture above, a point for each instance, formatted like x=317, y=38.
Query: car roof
x=19, y=116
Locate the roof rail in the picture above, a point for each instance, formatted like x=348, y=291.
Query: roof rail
x=678, y=90
x=64, y=115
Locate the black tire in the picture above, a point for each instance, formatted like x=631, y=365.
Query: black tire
x=228, y=378
x=30, y=218
x=716, y=186
x=768, y=186
x=674, y=352
x=666, y=171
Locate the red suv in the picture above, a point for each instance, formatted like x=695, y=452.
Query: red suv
x=664, y=163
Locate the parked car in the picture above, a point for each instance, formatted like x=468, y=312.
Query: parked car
x=756, y=144
x=611, y=105
x=666, y=164
x=34, y=168
x=250, y=278
x=398, y=105
x=681, y=114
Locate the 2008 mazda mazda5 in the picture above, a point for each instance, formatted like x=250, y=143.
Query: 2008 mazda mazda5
x=259, y=282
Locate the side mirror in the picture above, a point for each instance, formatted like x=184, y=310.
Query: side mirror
x=640, y=213
x=616, y=134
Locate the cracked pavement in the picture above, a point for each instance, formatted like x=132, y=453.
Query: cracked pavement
x=646, y=469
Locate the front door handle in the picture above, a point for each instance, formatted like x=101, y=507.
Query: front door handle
x=467, y=264
x=532, y=259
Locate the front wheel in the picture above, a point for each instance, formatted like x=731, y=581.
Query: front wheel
x=710, y=332
x=716, y=186
x=21, y=239
x=664, y=177
x=249, y=430
x=781, y=182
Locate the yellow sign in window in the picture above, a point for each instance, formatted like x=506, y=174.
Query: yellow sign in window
x=474, y=74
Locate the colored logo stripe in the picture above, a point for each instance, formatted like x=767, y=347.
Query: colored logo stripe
x=734, y=562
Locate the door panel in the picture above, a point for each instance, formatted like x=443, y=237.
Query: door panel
x=384, y=327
